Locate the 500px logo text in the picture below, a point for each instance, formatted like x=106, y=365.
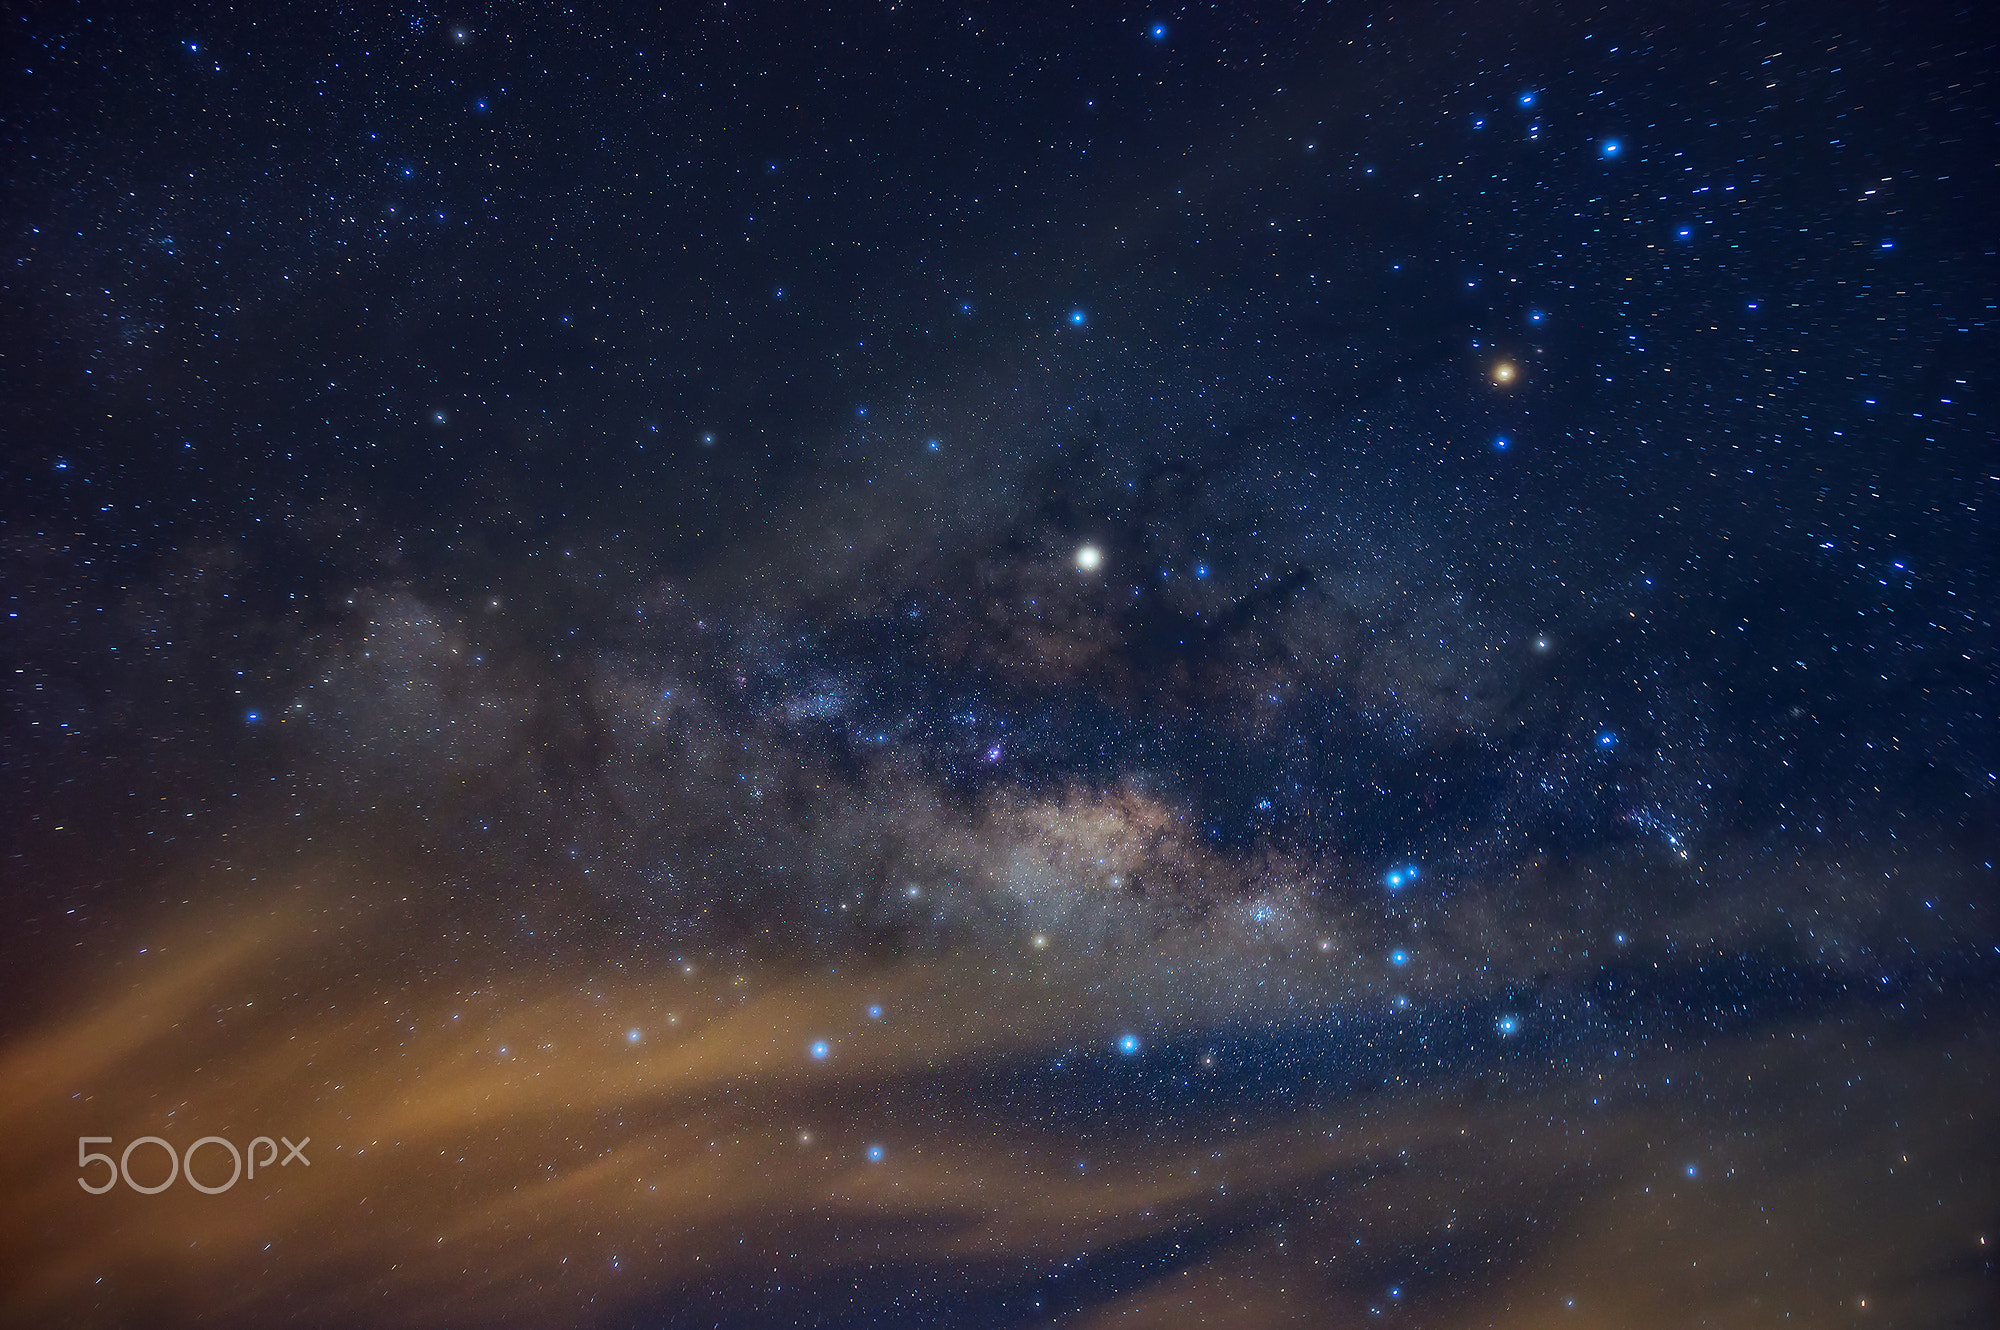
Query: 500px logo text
x=179, y=1165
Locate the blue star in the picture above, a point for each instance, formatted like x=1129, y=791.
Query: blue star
x=1158, y=32
x=875, y=1154
x=820, y=1048
x=1508, y=1026
x=875, y=1013
x=1076, y=317
x=1128, y=1044
x=1527, y=99
x=1607, y=740
x=631, y=1036
x=250, y=717
x=1399, y=958
x=1610, y=147
x=1500, y=444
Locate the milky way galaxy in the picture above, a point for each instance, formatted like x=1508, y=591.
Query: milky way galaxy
x=929, y=669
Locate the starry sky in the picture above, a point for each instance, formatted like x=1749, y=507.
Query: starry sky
x=948, y=665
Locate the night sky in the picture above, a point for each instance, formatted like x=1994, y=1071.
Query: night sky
x=938, y=665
